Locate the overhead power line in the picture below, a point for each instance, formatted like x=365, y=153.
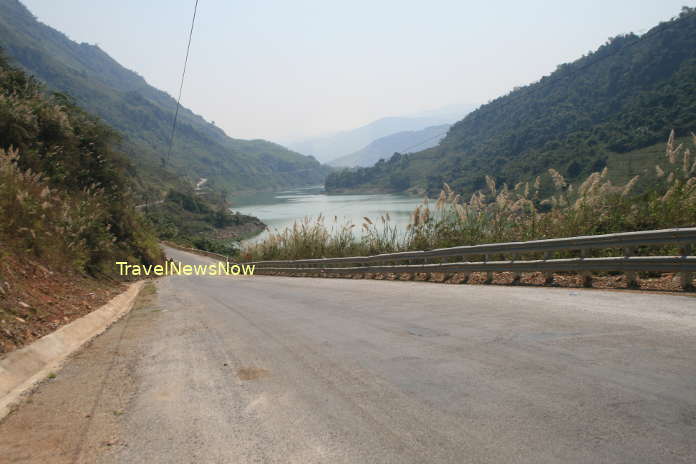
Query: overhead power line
x=181, y=85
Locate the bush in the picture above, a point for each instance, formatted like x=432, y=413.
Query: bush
x=64, y=195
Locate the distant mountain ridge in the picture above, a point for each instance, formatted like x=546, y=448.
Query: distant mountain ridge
x=625, y=96
x=144, y=114
x=385, y=147
x=331, y=147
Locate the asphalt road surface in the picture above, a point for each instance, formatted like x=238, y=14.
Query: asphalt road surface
x=298, y=370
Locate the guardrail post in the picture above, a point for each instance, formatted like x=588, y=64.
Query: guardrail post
x=686, y=277
x=467, y=275
x=548, y=275
x=630, y=275
x=515, y=275
x=489, y=274
x=409, y=276
x=586, y=275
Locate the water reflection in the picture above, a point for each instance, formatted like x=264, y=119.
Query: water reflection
x=281, y=209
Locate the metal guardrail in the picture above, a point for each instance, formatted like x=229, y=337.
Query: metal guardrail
x=628, y=262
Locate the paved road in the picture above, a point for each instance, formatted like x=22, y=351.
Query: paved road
x=293, y=370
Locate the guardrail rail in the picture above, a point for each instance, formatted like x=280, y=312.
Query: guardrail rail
x=518, y=257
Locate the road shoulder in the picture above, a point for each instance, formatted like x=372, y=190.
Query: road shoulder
x=73, y=415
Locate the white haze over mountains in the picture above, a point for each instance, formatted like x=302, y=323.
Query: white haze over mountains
x=331, y=147
x=277, y=69
x=385, y=147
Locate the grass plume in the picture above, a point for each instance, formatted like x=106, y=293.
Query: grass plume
x=500, y=214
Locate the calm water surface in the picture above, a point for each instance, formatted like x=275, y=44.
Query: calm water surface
x=281, y=209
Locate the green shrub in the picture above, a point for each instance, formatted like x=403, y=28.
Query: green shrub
x=64, y=193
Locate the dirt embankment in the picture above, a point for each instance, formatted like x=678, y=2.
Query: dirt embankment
x=36, y=300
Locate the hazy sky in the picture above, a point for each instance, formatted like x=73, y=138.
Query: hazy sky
x=291, y=68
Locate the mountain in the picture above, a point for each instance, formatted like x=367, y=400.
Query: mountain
x=605, y=106
x=144, y=114
x=330, y=147
x=385, y=147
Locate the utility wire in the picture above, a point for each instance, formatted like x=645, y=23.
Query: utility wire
x=181, y=85
x=541, y=85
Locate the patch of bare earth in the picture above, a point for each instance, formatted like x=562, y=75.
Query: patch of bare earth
x=35, y=300
x=76, y=415
x=251, y=373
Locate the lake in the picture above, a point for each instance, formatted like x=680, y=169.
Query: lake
x=279, y=210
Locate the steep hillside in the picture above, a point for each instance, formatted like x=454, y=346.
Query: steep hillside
x=623, y=97
x=384, y=147
x=67, y=212
x=331, y=147
x=65, y=195
x=144, y=114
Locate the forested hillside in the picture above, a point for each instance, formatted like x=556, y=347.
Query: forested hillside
x=623, y=97
x=144, y=114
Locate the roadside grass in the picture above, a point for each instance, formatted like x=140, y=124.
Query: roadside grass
x=596, y=205
x=65, y=192
x=624, y=166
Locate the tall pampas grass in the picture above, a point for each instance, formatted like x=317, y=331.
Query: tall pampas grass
x=502, y=214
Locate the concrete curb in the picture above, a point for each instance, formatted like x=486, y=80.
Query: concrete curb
x=22, y=369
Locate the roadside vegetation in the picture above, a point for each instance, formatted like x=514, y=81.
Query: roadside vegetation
x=67, y=211
x=500, y=213
x=65, y=197
x=201, y=220
x=68, y=195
